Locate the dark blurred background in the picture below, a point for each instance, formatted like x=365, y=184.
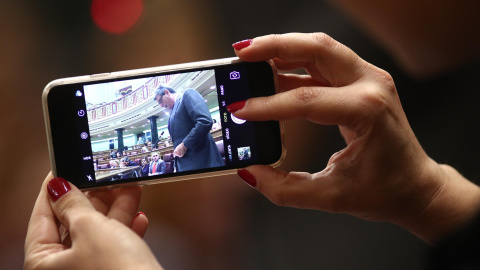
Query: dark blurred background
x=217, y=223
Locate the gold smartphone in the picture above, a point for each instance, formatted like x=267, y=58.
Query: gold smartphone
x=159, y=124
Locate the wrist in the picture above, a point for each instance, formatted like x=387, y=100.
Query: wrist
x=448, y=202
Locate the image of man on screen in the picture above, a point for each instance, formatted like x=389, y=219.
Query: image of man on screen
x=189, y=125
x=157, y=165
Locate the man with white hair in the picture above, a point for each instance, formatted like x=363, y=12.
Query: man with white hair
x=157, y=165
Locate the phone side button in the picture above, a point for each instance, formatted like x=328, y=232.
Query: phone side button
x=100, y=75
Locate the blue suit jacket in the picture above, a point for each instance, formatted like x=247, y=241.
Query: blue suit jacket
x=145, y=170
x=190, y=122
x=160, y=167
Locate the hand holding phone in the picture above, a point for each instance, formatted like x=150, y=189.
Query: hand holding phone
x=75, y=214
x=383, y=173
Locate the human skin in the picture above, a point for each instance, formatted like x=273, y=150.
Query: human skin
x=383, y=173
x=103, y=230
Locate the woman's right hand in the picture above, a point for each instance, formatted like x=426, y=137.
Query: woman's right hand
x=383, y=172
x=99, y=239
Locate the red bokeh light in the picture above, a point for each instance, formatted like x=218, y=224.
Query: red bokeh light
x=116, y=16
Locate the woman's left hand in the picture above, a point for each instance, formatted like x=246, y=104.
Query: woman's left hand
x=103, y=229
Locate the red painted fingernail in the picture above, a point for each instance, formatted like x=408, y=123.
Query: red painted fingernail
x=57, y=187
x=139, y=213
x=247, y=177
x=236, y=106
x=242, y=44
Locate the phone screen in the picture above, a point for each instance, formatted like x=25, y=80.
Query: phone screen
x=123, y=130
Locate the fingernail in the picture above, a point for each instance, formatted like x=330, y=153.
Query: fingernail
x=139, y=213
x=57, y=187
x=247, y=177
x=242, y=44
x=236, y=106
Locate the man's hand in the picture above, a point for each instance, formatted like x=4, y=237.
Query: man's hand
x=180, y=150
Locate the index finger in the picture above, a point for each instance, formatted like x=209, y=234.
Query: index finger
x=323, y=56
x=321, y=105
x=42, y=228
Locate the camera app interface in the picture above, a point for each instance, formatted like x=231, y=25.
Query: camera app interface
x=167, y=124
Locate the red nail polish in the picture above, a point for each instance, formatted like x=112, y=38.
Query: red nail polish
x=236, y=106
x=247, y=177
x=242, y=44
x=57, y=187
x=139, y=213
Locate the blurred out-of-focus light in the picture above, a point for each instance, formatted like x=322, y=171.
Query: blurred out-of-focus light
x=116, y=16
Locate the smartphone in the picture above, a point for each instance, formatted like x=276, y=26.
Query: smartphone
x=118, y=129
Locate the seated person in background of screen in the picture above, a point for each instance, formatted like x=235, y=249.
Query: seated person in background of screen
x=157, y=165
x=119, y=155
x=127, y=162
x=113, y=154
x=140, y=140
x=148, y=142
x=145, y=148
x=160, y=145
x=215, y=125
x=114, y=164
x=145, y=166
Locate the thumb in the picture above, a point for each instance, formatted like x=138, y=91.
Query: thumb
x=67, y=201
x=294, y=189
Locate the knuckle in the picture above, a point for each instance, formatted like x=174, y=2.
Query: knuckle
x=385, y=79
x=80, y=220
x=278, y=198
x=266, y=104
x=305, y=94
x=374, y=97
x=286, y=192
x=324, y=40
x=305, y=99
x=373, y=102
x=280, y=45
x=275, y=195
x=275, y=38
x=75, y=213
x=377, y=97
